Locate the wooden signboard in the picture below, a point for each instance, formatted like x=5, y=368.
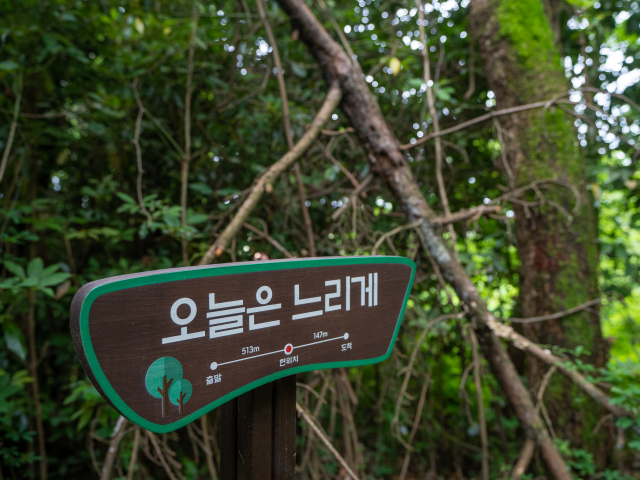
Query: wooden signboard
x=165, y=347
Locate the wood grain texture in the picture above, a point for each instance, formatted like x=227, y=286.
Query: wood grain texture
x=127, y=327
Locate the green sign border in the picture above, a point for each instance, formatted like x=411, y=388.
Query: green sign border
x=212, y=271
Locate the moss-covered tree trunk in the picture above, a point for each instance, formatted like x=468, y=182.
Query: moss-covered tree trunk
x=557, y=246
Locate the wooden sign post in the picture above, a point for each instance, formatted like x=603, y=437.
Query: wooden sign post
x=168, y=346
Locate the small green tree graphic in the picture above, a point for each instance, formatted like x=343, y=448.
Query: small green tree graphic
x=180, y=393
x=161, y=375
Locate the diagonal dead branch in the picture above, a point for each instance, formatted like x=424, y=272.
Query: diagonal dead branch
x=268, y=238
x=569, y=370
x=416, y=423
x=323, y=436
x=266, y=180
x=163, y=461
x=116, y=438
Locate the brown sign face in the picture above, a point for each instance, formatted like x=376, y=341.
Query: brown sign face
x=165, y=347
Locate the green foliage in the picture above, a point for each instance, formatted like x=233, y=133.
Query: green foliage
x=70, y=210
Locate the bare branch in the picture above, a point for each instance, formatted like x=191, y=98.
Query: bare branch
x=333, y=133
x=266, y=180
x=484, y=439
x=343, y=169
x=471, y=66
x=540, y=397
x=412, y=359
x=509, y=111
x=555, y=316
x=416, y=422
x=503, y=155
x=323, y=436
x=136, y=142
x=269, y=239
x=12, y=130
x=163, y=461
x=340, y=33
x=186, y=159
x=512, y=194
x=206, y=444
x=468, y=123
x=134, y=453
x=116, y=438
x=426, y=73
x=391, y=233
x=526, y=454
x=335, y=215
x=471, y=214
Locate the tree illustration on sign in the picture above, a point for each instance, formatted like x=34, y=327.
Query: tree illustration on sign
x=180, y=393
x=161, y=375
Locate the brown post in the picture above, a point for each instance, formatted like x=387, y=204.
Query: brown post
x=258, y=432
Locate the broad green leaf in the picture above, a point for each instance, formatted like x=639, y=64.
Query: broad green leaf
x=126, y=198
x=55, y=279
x=35, y=267
x=29, y=282
x=88, y=191
x=15, y=268
x=624, y=422
x=47, y=291
x=197, y=218
x=202, y=188
x=8, y=65
x=9, y=282
x=14, y=340
x=225, y=192
x=50, y=270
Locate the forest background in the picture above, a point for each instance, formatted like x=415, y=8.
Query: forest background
x=140, y=135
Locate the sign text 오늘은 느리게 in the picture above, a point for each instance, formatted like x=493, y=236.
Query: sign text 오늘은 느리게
x=167, y=346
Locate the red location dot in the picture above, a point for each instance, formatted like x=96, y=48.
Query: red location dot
x=288, y=348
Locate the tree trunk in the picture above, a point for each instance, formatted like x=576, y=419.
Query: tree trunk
x=557, y=245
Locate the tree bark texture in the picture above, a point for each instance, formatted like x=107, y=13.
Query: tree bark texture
x=388, y=161
x=557, y=244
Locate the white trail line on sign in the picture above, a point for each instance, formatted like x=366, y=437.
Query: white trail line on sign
x=215, y=365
